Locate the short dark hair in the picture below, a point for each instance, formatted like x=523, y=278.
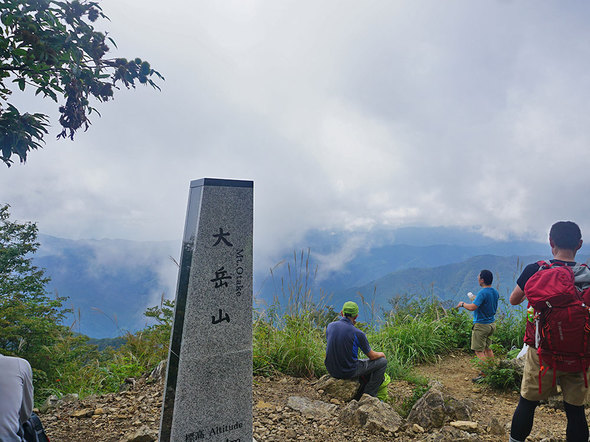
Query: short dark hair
x=487, y=277
x=565, y=235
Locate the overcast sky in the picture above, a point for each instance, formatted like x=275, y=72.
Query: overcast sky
x=347, y=115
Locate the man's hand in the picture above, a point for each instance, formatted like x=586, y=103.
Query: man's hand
x=375, y=355
x=470, y=307
x=517, y=296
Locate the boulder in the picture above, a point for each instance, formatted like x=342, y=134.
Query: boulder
x=469, y=426
x=84, y=412
x=516, y=364
x=434, y=409
x=372, y=414
x=342, y=389
x=451, y=434
x=50, y=402
x=496, y=428
x=310, y=407
x=142, y=434
x=128, y=384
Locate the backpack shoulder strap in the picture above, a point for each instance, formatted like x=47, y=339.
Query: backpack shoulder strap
x=545, y=264
x=581, y=276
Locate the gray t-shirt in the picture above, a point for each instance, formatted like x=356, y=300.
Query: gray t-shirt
x=16, y=396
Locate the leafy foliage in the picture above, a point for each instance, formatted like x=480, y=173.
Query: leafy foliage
x=30, y=327
x=53, y=47
x=29, y=318
x=510, y=326
x=292, y=344
x=150, y=345
x=501, y=374
x=416, y=330
x=289, y=336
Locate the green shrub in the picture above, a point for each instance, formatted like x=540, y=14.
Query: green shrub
x=406, y=406
x=289, y=337
x=501, y=375
x=510, y=326
x=412, y=340
x=513, y=353
x=456, y=329
x=416, y=330
x=291, y=345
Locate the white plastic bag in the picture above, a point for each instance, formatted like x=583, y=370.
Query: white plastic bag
x=522, y=352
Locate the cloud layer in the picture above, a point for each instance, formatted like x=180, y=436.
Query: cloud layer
x=347, y=116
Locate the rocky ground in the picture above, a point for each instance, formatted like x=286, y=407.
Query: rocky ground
x=133, y=415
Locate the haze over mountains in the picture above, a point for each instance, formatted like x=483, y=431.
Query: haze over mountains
x=110, y=283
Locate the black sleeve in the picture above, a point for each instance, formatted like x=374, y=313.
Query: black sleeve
x=528, y=271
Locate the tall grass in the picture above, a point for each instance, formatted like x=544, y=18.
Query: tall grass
x=293, y=346
x=417, y=330
x=289, y=334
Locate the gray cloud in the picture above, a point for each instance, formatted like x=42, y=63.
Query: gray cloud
x=348, y=116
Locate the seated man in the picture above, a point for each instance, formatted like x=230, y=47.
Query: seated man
x=16, y=397
x=344, y=341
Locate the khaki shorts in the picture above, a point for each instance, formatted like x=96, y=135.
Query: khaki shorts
x=572, y=384
x=481, y=336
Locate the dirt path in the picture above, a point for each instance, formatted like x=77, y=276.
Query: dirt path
x=455, y=372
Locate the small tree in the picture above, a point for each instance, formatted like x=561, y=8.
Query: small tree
x=29, y=318
x=53, y=47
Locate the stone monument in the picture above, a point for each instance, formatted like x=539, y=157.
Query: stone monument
x=208, y=394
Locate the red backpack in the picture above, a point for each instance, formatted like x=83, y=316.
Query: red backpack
x=560, y=295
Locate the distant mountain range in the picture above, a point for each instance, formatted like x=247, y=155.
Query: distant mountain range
x=447, y=282
x=110, y=283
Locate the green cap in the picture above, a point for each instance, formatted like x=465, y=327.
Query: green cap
x=350, y=308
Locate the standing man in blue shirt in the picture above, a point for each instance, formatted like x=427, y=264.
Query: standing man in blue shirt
x=484, y=308
x=344, y=341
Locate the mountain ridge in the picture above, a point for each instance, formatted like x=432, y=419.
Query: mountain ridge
x=110, y=283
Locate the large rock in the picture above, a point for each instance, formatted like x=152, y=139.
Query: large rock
x=434, y=409
x=143, y=434
x=310, y=407
x=50, y=402
x=372, y=414
x=342, y=389
x=469, y=426
x=451, y=434
x=516, y=364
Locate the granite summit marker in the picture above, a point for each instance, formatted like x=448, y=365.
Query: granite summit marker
x=208, y=395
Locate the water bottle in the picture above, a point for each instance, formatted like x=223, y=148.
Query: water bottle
x=530, y=314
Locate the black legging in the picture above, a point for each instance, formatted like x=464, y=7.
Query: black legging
x=522, y=421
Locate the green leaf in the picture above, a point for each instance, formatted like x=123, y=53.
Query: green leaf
x=19, y=52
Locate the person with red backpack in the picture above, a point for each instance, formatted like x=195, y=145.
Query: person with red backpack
x=557, y=334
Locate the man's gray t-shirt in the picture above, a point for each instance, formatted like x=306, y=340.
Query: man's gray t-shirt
x=16, y=396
